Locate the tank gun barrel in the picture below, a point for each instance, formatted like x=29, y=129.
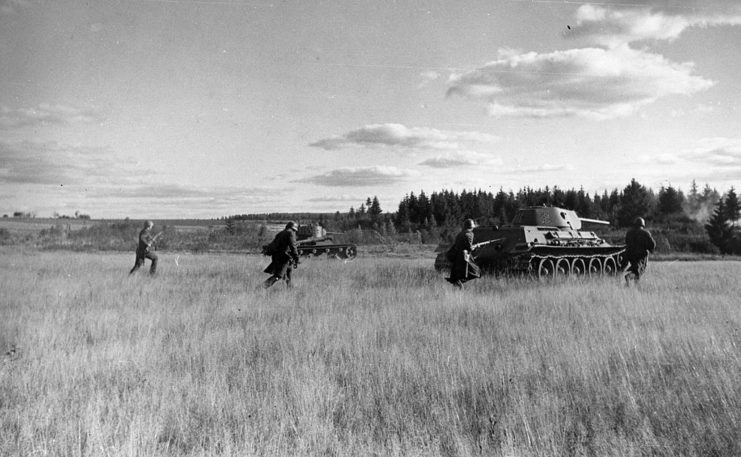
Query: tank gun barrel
x=594, y=221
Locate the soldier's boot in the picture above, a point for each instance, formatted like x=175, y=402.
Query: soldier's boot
x=137, y=265
x=270, y=281
x=153, y=268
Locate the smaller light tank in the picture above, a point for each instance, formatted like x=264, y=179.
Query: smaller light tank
x=313, y=240
x=542, y=242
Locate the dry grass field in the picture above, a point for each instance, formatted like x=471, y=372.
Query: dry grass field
x=378, y=356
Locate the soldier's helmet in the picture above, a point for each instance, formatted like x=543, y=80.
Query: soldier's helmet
x=639, y=222
x=148, y=224
x=469, y=224
x=292, y=226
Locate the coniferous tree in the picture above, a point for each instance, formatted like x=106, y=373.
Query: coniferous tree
x=670, y=201
x=402, y=215
x=733, y=208
x=374, y=209
x=635, y=202
x=718, y=229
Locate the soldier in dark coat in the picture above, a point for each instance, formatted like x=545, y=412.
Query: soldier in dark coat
x=462, y=266
x=145, y=249
x=638, y=243
x=284, y=256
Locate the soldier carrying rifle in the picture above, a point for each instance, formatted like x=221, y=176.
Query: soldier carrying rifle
x=284, y=256
x=462, y=266
x=145, y=248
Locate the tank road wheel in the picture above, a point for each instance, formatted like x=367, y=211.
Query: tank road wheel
x=546, y=269
x=595, y=267
x=621, y=262
x=562, y=267
x=351, y=252
x=578, y=267
x=610, y=267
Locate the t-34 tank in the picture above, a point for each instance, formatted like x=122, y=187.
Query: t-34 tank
x=542, y=242
x=313, y=240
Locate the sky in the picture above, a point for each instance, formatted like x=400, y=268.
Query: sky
x=201, y=109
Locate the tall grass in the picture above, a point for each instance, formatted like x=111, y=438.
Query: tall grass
x=373, y=357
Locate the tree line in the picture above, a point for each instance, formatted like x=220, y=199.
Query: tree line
x=619, y=207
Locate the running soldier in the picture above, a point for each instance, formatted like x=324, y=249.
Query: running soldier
x=284, y=256
x=145, y=248
x=638, y=243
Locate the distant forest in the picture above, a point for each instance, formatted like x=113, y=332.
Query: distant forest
x=448, y=209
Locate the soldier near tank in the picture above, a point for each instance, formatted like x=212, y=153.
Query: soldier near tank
x=145, y=248
x=284, y=256
x=638, y=244
x=462, y=266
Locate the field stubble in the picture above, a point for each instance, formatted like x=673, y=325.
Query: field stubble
x=373, y=357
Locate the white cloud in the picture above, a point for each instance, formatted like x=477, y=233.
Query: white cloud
x=361, y=176
x=719, y=152
x=591, y=82
x=54, y=163
x=183, y=193
x=337, y=198
x=461, y=159
x=398, y=135
x=612, y=25
x=662, y=159
x=45, y=114
x=545, y=168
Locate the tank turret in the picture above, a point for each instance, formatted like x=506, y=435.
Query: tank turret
x=543, y=242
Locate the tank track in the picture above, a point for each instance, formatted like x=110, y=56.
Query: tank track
x=339, y=251
x=549, y=262
x=544, y=262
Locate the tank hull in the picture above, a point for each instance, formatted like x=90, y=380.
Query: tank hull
x=328, y=248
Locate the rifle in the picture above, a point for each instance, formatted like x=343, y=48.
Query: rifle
x=151, y=243
x=468, y=256
x=484, y=243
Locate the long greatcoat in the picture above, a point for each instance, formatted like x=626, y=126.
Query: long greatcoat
x=462, y=266
x=284, y=254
